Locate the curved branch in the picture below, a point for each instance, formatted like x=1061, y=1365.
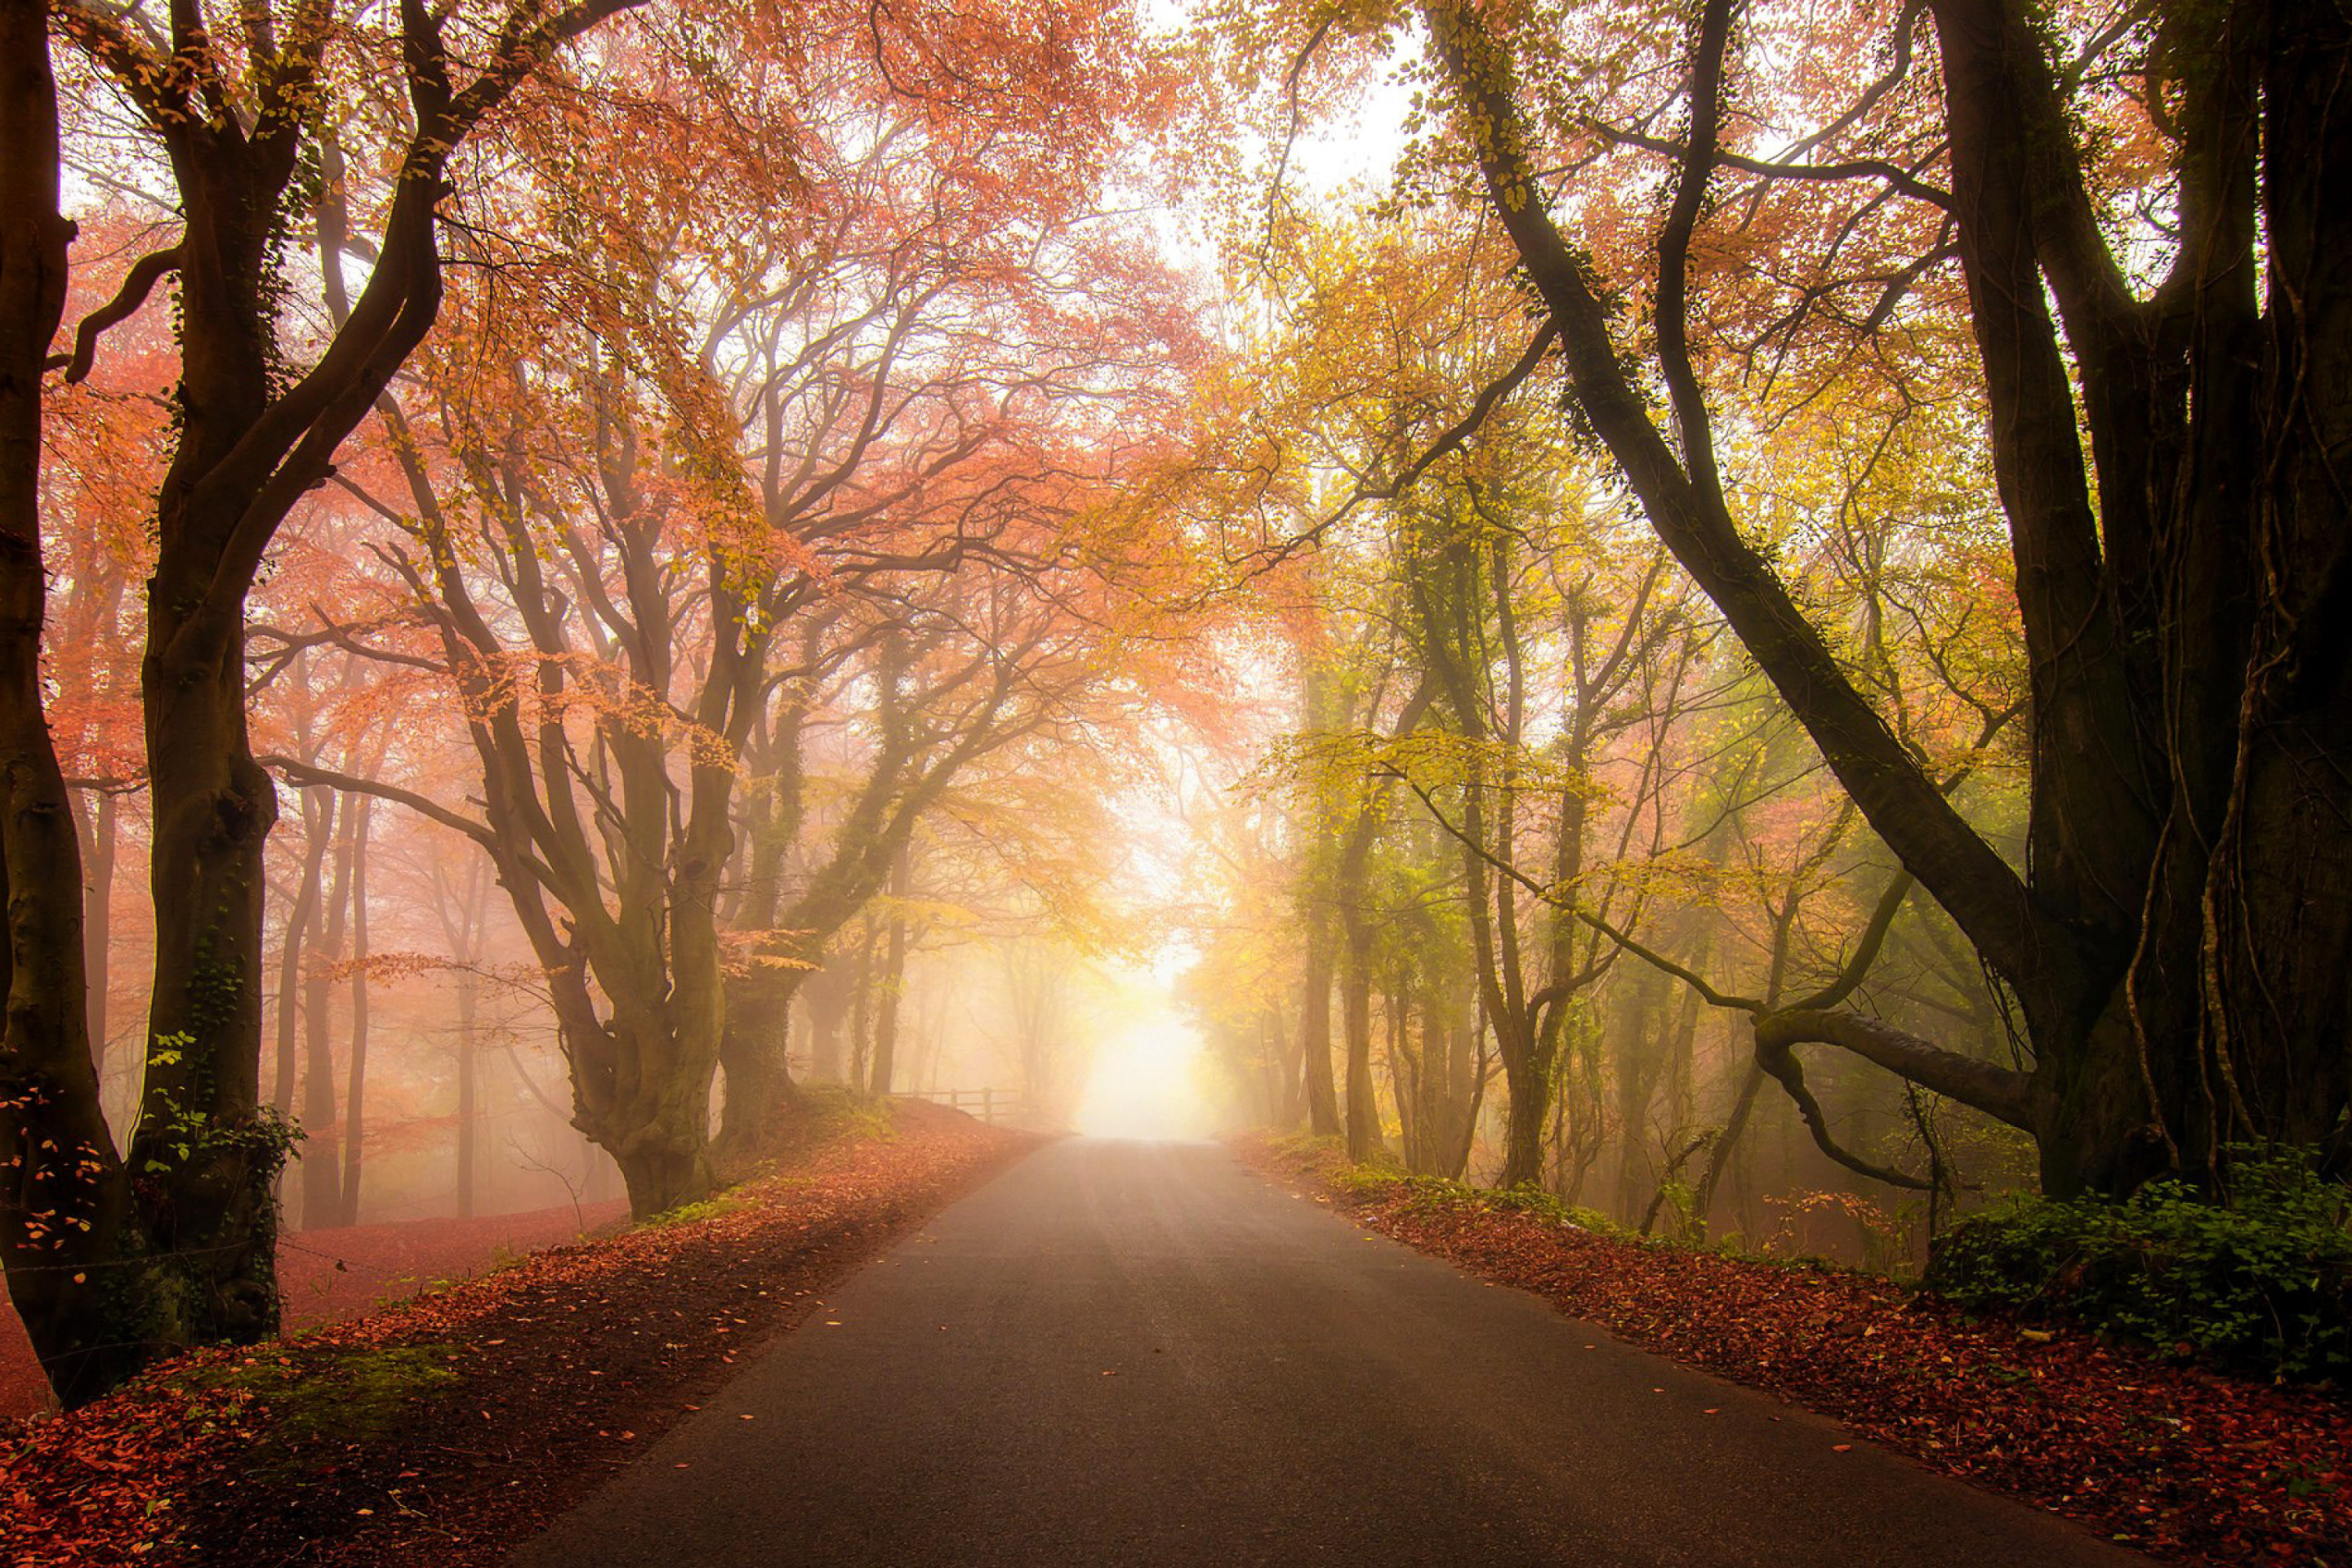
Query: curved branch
x=1866, y=952
x=1706, y=85
x=303, y=773
x=2003, y=1093
x=1452, y=439
x=1649, y=956
x=1782, y=1064
x=137, y=284
x=1893, y=175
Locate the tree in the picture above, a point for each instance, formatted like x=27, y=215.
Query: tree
x=54, y=1131
x=2180, y=940
x=730, y=460
x=182, y=1232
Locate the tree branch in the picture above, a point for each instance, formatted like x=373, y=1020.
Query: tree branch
x=303, y=773
x=2003, y=1093
x=136, y=285
x=1783, y=1067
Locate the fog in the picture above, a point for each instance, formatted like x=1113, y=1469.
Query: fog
x=1147, y=1081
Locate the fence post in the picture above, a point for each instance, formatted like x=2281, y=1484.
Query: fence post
x=988, y=1105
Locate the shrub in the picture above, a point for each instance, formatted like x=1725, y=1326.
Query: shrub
x=2257, y=1279
x=1436, y=1191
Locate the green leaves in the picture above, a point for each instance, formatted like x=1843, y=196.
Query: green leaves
x=2258, y=1280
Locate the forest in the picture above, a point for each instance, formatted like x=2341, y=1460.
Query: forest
x=1721, y=627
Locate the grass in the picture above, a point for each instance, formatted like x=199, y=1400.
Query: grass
x=340, y=1398
x=694, y=1213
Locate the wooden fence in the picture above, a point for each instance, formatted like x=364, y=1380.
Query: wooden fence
x=990, y=1105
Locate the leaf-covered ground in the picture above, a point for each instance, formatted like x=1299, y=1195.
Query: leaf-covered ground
x=443, y=1429
x=326, y=1276
x=2178, y=1462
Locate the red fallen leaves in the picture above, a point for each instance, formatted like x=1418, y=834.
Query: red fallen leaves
x=325, y=1275
x=107, y=1489
x=2180, y=1462
x=564, y=1366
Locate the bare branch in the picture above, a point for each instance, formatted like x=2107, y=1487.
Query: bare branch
x=136, y=285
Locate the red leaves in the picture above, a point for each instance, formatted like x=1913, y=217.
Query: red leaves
x=326, y=1275
x=102, y=1490
x=2180, y=1462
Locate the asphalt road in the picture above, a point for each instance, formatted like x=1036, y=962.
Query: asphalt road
x=1134, y=1354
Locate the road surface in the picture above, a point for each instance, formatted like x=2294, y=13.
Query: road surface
x=1146, y=1354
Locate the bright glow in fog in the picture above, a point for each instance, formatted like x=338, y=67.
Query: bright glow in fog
x=1145, y=1084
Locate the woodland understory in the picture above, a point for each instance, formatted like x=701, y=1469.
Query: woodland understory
x=1738, y=613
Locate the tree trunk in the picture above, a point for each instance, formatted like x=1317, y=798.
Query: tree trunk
x=642, y=1088
x=322, y=1158
x=1315, y=1036
x=826, y=991
x=754, y=1053
x=98, y=918
x=64, y=1233
x=1407, y=1081
x=207, y=1154
x=894, y=983
x=210, y=1153
x=653, y=1117
x=1727, y=1144
x=1470, y=1040
x=659, y=1179
x=355, y=1082
x=469, y=1073
x=319, y=827
x=861, y=1007
x=1364, y=1139
x=1526, y=1104
x=1273, y=1074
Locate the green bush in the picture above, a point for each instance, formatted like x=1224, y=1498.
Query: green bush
x=2259, y=1280
x=1436, y=1191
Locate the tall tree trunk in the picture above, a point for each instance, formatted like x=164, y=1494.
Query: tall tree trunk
x=1472, y=1044
x=463, y=909
x=861, y=1007
x=469, y=1092
x=323, y=1157
x=355, y=1081
x=98, y=917
x=1407, y=1082
x=318, y=828
x=1315, y=1036
x=1526, y=1101
x=207, y=1154
x=755, y=1049
x=826, y=992
x=1356, y=1008
x=755, y=1054
x=1725, y=1146
x=63, y=1231
x=894, y=979
x=216, y=1217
